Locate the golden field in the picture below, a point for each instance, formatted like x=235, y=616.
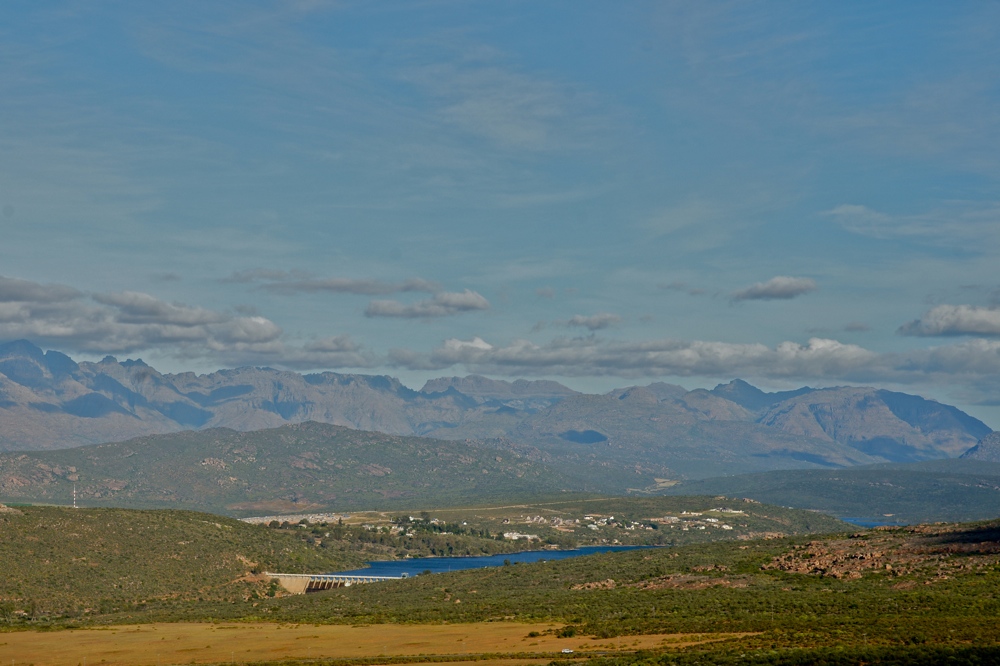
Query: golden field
x=506, y=643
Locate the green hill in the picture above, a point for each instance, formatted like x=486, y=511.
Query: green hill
x=60, y=561
x=297, y=468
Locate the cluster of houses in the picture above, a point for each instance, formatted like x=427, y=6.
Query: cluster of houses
x=313, y=518
x=685, y=520
x=688, y=520
x=515, y=536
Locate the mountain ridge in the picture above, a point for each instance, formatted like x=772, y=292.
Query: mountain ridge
x=49, y=401
x=295, y=468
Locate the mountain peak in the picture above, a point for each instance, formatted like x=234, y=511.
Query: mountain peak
x=22, y=349
x=750, y=397
x=743, y=394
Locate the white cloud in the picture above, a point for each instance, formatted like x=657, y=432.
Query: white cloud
x=777, y=288
x=973, y=366
x=442, y=304
x=946, y=320
x=127, y=322
x=131, y=321
x=595, y=322
x=246, y=330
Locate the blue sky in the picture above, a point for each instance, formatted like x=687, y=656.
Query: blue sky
x=600, y=193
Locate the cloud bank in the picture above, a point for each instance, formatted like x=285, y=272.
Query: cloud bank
x=947, y=320
x=127, y=322
x=64, y=318
x=975, y=361
x=577, y=357
x=442, y=304
x=777, y=288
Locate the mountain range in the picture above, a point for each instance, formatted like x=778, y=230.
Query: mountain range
x=661, y=431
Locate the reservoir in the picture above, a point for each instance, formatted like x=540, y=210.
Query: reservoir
x=874, y=522
x=415, y=566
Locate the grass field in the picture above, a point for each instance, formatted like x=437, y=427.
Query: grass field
x=493, y=644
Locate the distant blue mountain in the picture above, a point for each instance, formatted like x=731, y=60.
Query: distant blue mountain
x=641, y=434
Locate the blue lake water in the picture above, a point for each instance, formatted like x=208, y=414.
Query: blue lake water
x=873, y=522
x=418, y=565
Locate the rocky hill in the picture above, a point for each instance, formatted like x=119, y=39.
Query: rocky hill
x=660, y=431
x=987, y=450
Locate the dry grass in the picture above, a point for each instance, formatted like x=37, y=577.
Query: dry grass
x=164, y=644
